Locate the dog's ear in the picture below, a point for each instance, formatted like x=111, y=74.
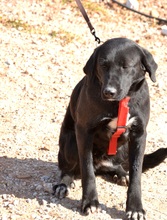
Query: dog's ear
x=90, y=64
x=149, y=64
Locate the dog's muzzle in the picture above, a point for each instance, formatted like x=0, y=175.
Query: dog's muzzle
x=109, y=93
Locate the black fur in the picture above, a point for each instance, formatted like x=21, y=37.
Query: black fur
x=115, y=70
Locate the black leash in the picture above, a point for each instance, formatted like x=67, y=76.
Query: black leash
x=92, y=30
x=138, y=12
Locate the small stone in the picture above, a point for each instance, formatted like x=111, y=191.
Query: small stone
x=35, y=193
x=74, y=209
x=23, y=176
x=4, y=196
x=134, y=4
x=54, y=200
x=164, y=29
x=24, y=183
x=154, y=13
x=28, y=200
x=46, y=148
x=104, y=211
x=34, y=216
x=11, y=206
x=48, y=187
x=45, y=178
x=16, y=202
x=6, y=204
x=9, y=62
x=44, y=202
x=39, y=187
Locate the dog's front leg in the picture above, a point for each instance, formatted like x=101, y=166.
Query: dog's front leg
x=89, y=194
x=134, y=208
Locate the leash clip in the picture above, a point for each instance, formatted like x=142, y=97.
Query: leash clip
x=94, y=34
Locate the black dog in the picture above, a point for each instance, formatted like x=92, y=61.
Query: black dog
x=114, y=71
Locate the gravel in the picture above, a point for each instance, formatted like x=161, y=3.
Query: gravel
x=44, y=46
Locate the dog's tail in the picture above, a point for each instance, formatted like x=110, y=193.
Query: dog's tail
x=154, y=159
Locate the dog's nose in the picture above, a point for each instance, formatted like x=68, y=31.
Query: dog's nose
x=109, y=92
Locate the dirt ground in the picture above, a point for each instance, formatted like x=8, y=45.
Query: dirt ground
x=44, y=46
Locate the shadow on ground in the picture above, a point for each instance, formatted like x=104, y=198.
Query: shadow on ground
x=32, y=179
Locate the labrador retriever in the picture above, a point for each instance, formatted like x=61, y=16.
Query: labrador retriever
x=114, y=71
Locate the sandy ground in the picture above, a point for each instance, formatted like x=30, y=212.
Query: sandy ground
x=44, y=46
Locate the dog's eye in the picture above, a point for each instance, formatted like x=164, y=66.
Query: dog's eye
x=104, y=64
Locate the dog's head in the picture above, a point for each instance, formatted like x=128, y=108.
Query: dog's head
x=120, y=66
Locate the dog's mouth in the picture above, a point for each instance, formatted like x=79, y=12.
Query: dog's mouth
x=113, y=99
x=109, y=99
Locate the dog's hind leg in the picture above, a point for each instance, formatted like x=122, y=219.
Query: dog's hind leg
x=68, y=160
x=69, y=166
x=62, y=189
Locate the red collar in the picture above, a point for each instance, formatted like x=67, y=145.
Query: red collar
x=121, y=124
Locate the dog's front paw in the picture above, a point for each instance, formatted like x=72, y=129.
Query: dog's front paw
x=121, y=180
x=136, y=215
x=90, y=206
x=60, y=190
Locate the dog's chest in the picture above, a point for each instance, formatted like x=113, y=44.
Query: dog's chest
x=106, y=129
x=113, y=124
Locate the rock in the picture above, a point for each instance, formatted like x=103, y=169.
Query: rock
x=16, y=202
x=48, y=187
x=44, y=202
x=28, y=200
x=154, y=13
x=164, y=30
x=23, y=176
x=6, y=204
x=45, y=178
x=54, y=200
x=38, y=187
x=133, y=4
x=9, y=62
x=4, y=196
